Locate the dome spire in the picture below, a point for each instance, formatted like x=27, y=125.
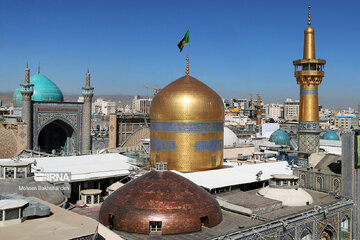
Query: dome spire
x=88, y=78
x=39, y=68
x=187, y=65
x=27, y=74
x=309, y=40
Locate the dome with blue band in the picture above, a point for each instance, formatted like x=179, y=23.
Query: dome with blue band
x=44, y=90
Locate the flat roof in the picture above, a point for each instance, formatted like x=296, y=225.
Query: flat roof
x=12, y=203
x=245, y=173
x=82, y=167
x=61, y=224
x=14, y=163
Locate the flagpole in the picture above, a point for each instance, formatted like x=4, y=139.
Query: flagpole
x=188, y=58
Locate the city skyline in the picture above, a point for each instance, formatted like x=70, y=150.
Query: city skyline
x=238, y=46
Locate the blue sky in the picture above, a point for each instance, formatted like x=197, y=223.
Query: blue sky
x=246, y=46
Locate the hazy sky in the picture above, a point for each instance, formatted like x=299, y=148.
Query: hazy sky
x=245, y=46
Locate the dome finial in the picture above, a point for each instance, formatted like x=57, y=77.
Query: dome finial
x=309, y=17
x=39, y=68
x=27, y=65
x=187, y=65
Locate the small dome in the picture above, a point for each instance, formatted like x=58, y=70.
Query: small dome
x=330, y=135
x=26, y=188
x=279, y=137
x=288, y=197
x=44, y=90
x=230, y=138
x=164, y=197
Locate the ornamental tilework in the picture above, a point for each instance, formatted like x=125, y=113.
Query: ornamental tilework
x=345, y=236
x=308, y=91
x=288, y=233
x=332, y=221
x=308, y=142
x=188, y=127
x=312, y=126
x=71, y=113
x=209, y=146
x=162, y=145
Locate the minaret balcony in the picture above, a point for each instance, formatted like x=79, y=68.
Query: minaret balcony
x=309, y=73
x=27, y=88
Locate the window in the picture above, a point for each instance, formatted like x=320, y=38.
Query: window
x=96, y=199
x=28, y=170
x=155, y=226
x=278, y=182
x=88, y=199
x=345, y=224
x=204, y=221
x=1, y=172
x=20, y=172
x=9, y=172
x=1, y=215
x=11, y=214
x=336, y=185
x=319, y=183
x=303, y=180
x=306, y=235
x=285, y=182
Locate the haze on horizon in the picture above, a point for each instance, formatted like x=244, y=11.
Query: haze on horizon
x=245, y=46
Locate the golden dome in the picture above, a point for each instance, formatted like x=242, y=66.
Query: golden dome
x=187, y=126
x=187, y=99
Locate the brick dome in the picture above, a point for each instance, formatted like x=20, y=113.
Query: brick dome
x=164, y=197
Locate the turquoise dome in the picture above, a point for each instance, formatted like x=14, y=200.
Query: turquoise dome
x=330, y=135
x=44, y=90
x=279, y=137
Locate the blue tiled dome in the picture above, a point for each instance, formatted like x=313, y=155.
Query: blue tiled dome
x=279, y=137
x=44, y=90
x=330, y=135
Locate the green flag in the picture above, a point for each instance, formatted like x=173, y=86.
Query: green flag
x=185, y=40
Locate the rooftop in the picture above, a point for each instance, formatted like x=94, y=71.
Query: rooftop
x=61, y=224
x=245, y=173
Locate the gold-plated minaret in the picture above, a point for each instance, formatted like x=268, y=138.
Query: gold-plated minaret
x=258, y=110
x=309, y=72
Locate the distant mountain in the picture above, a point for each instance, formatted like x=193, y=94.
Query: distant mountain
x=124, y=99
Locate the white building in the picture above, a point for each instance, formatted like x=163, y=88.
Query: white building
x=141, y=104
x=274, y=111
x=103, y=107
x=291, y=109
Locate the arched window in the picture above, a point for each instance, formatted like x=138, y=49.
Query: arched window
x=303, y=180
x=345, y=224
x=319, y=183
x=336, y=185
x=306, y=235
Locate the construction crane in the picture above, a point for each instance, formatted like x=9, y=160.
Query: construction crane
x=157, y=90
x=251, y=96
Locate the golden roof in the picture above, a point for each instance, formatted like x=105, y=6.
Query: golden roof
x=187, y=99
